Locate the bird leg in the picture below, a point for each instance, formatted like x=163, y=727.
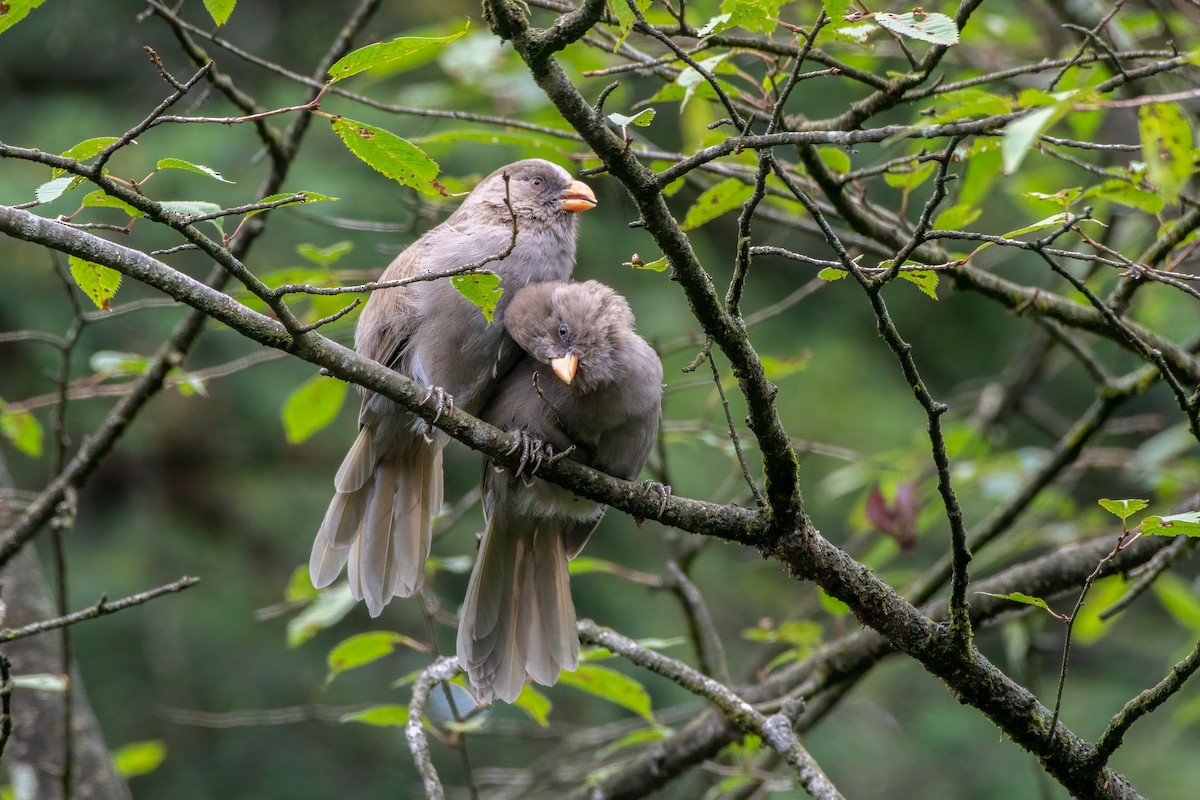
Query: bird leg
x=534, y=453
x=662, y=490
x=443, y=403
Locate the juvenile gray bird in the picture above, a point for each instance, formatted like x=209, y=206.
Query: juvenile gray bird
x=589, y=382
x=390, y=484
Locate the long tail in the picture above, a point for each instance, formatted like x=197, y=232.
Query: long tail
x=380, y=521
x=518, y=617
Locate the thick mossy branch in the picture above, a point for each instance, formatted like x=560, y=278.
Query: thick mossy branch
x=780, y=465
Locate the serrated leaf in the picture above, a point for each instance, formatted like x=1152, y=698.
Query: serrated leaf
x=1166, y=137
x=383, y=54
x=41, y=682
x=179, y=163
x=1021, y=597
x=86, y=149
x=535, y=705
x=1173, y=525
x=139, y=758
x=835, y=9
x=53, y=189
x=309, y=197
x=641, y=119
x=753, y=15
x=15, y=11
x=98, y=282
x=715, y=201
x=832, y=274
x=312, y=406
x=625, y=18
x=956, y=217
x=385, y=716
x=98, y=199
x=324, y=256
x=21, y=429
x=220, y=9
x=924, y=279
x=482, y=289
x=365, y=648
x=1123, y=508
x=324, y=612
x=613, y=686
x=387, y=153
x=300, y=587
x=933, y=28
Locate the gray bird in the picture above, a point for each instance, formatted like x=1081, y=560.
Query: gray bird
x=590, y=383
x=389, y=486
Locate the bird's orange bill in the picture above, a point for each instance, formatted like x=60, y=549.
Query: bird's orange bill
x=578, y=197
x=564, y=367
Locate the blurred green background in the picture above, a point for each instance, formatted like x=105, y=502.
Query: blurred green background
x=208, y=486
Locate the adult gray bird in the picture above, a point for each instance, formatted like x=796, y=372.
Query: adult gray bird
x=588, y=382
x=389, y=486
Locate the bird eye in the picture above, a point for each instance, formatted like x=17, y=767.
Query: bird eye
x=535, y=181
x=563, y=330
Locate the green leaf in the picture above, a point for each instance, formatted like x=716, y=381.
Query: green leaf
x=1123, y=508
x=83, y=151
x=220, y=9
x=535, y=705
x=1179, y=600
x=1021, y=597
x=776, y=369
x=613, y=686
x=657, y=265
x=387, y=153
x=313, y=405
x=98, y=199
x=1089, y=628
x=632, y=739
x=324, y=612
x=300, y=587
x=625, y=17
x=308, y=197
x=753, y=15
x=832, y=274
x=324, y=257
x=1129, y=194
x=384, y=54
x=365, y=648
x=53, y=189
x=22, y=429
x=98, y=282
x=836, y=9
x=1166, y=137
x=912, y=177
x=933, y=28
x=482, y=289
x=13, y=11
x=179, y=163
x=689, y=79
x=641, y=119
x=385, y=716
x=924, y=279
x=583, y=565
x=715, y=201
x=1187, y=524
x=196, y=208
x=832, y=605
x=139, y=758
x=956, y=217
x=115, y=364
x=1021, y=134
x=835, y=158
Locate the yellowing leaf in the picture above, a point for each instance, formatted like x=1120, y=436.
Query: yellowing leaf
x=220, y=9
x=16, y=10
x=1167, y=145
x=387, y=153
x=98, y=282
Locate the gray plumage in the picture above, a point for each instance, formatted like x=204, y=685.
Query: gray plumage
x=389, y=486
x=518, y=616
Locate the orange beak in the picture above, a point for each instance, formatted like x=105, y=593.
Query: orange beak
x=564, y=367
x=578, y=197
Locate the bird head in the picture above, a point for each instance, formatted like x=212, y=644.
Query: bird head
x=536, y=189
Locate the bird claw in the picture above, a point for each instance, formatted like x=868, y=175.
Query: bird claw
x=662, y=490
x=533, y=453
x=443, y=404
